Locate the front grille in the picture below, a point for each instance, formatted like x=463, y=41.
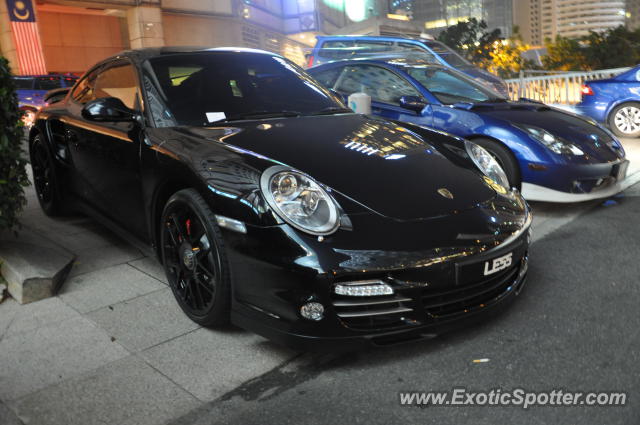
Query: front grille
x=415, y=305
x=439, y=304
x=372, y=312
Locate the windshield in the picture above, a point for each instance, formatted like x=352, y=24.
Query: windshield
x=199, y=89
x=452, y=87
x=449, y=55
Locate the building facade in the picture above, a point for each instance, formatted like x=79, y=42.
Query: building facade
x=632, y=14
x=436, y=15
x=542, y=19
x=75, y=34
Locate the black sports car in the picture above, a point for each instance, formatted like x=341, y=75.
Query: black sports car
x=271, y=205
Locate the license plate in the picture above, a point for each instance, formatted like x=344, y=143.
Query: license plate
x=470, y=272
x=497, y=264
x=620, y=170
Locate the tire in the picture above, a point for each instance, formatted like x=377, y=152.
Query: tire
x=505, y=158
x=624, y=120
x=194, y=259
x=45, y=179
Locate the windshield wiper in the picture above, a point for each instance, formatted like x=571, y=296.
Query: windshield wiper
x=262, y=114
x=332, y=110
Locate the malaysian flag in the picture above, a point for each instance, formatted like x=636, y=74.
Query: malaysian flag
x=26, y=37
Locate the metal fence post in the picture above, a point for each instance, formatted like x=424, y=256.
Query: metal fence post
x=521, y=84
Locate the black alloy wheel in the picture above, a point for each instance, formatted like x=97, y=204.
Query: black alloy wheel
x=44, y=178
x=194, y=260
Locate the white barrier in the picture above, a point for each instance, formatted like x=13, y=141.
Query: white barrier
x=555, y=86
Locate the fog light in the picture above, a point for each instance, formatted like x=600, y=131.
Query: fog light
x=365, y=288
x=312, y=311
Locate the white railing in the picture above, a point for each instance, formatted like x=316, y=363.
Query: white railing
x=555, y=86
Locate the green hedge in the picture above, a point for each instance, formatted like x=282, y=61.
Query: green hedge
x=13, y=175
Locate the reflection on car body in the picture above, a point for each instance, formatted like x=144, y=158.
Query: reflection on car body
x=272, y=205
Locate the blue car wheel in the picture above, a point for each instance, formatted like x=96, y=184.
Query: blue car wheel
x=624, y=120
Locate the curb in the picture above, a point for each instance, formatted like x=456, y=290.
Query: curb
x=33, y=267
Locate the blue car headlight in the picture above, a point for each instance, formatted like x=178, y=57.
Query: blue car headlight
x=487, y=164
x=555, y=143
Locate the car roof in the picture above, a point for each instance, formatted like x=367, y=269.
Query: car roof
x=45, y=76
x=395, y=60
x=140, y=55
x=374, y=37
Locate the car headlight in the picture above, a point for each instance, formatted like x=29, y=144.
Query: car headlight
x=300, y=201
x=554, y=143
x=487, y=164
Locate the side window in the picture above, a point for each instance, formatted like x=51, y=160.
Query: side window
x=47, y=83
x=366, y=46
x=336, y=50
x=328, y=77
x=379, y=83
x=117, y=80
x=23, y=83
x=84, y=91
x=413, y=48
x=70, y=81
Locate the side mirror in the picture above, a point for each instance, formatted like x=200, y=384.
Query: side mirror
x=413, y=103
x=108, y=109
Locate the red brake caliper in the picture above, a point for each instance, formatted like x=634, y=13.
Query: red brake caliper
x=189, y=226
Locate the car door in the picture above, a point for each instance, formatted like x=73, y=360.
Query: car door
x=385, y=88
x=106, y=155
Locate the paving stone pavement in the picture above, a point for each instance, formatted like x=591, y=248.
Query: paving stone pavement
x=114, y=347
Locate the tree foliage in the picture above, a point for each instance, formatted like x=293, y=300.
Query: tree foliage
x=472, y=40
x=506, y=56
x=13, y=175
x=564, y=54
x=614, y=48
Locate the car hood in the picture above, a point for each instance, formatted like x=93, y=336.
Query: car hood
x=386, y=168
x=593, y=140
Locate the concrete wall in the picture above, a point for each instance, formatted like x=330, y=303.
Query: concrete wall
x=211, y=31
x=187, y=30
x=73, y=42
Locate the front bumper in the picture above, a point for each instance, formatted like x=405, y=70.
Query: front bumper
x=428, y=299
x=573, y=183
x=267, y=327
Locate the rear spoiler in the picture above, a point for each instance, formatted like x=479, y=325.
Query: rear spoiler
x=56, y=95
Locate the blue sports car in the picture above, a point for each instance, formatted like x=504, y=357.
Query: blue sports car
x=615, y=102
x=32, y=88
x=341, y=47
x=550, y=154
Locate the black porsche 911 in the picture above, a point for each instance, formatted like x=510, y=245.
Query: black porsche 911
x=272, y=206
